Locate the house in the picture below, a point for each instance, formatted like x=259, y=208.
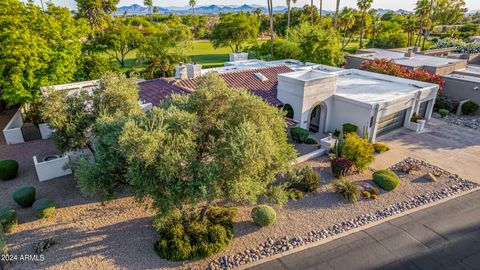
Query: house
x=322, y=98
x=462, y=80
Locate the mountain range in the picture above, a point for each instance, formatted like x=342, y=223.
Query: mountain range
x=216, y=9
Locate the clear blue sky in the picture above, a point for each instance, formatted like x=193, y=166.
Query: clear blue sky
x=328, y=4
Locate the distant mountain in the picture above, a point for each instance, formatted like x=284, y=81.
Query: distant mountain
x=210, y=9
x=473, y=11
x=382, y=11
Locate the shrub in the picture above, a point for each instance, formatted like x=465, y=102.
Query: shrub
x=264, y=215
x=469, y=107
x=304, y=179
x=277, y=195
x=295, y=194
x=8, y=169
x=374, y=191
x=366, y=195
x=347, y=188
x=374, y=197
x=24, y=196
x=415, y=118
x=3, y=242
x=444, y=102
x=311, y=141
x=380, y=148
x=185, y=237
x=299, y=134
x=8, y=219
x=340, y=166
x=44, y=207
x=386, y=179
x=358, y=150
x=443, y=112
x=348, y=128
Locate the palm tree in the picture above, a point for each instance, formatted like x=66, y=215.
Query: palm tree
x=41, y=2
x=346, y=21
x=289, y=3
x=421, y=11
x=312, y=8
x=426, y=33
x=149, y=4
x=410, y=26
x=336, y=14
x=363, y=5
x=376, y=28
x=270, y=15
x=192, y=3
x=320, y=12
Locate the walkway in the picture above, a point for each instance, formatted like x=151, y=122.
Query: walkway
x=445, y=236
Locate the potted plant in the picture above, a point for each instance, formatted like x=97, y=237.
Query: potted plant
x=32, y=118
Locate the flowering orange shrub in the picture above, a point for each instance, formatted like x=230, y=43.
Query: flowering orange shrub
x=389, y=67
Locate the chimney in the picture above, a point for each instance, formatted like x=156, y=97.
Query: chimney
x=194, y=70
x=410, y=53
x=180, y=71
x=238, y=57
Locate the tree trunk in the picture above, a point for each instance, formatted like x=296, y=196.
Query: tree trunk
x=417, y=42
x=311, y=12
x=288, y=17
x=336, y=15
x=320, y=12
x=426, y=33
x=361, y=29
x=270, y=12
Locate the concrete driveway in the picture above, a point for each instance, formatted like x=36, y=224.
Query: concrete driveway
x=450, y=147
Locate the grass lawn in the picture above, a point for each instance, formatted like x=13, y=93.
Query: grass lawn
x=202, y=52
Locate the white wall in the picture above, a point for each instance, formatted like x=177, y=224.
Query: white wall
x=12, y=131
x=51, y=169
x=348, y=111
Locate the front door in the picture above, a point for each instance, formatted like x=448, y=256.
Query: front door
x=315, y=119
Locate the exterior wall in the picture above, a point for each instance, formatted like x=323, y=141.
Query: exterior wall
x=461, y=89
x=13, y=130
x=354, y=61
x=51, y=169
x=348, y=111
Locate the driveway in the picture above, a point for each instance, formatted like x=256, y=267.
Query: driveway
x=445, y=236
x=450, y=147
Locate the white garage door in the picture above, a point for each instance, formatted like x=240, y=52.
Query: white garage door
x=391, y=122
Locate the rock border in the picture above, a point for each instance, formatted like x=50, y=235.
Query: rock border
x=461, y=121
x=273, y=247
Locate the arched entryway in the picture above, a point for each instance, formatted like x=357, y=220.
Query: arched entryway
x=318, y=116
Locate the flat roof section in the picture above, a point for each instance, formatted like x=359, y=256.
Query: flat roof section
x=372, y=90
x=418, y=60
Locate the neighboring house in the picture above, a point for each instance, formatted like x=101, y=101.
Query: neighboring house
x=462, y=80
x=323, y=98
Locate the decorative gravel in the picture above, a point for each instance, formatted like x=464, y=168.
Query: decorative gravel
x=271, y=247
x=472, y=122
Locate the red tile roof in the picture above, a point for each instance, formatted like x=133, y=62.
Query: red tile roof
x=155, y=91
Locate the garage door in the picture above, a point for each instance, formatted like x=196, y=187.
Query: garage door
x=391, y=122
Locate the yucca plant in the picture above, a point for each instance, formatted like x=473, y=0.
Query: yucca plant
x=347, y=188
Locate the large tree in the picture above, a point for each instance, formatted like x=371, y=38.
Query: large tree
x=216, y=144
x=270, y=20
x=120, y=40
x=448, y=12
x=337, y=10
x=289, y=12
x=346, y=21
x=235, y=30
x=421, y=10
x=364, y=6
x=192, y=3
x=96, y=11
x=37, y=48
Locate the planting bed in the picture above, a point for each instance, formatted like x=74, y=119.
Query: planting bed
x=469, y=121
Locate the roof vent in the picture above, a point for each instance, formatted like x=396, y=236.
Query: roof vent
x=261, y=77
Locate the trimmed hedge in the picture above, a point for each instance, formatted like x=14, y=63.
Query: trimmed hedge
x=264, y=215
x=299, y=134
x=44, y=207
x=469, y=107
x=386, y=179
x=185, y=237
x=349, y=128
x=8, y=169
x=8, y=219
x=24, y=196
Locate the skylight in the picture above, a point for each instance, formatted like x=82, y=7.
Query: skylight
x=261, y=77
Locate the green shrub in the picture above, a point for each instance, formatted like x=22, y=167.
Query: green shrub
x=277, y=195
x=443, y=102
x=374, y=191
x=185, y=237
x=8, y=219
x=3, y=242
x=304, y=179
x=295, y=194
x=311, y=141
x=386, y=179
x=8, y=169
x=469, y=107
x=340, y=166
x=443, y=112
x=380, y=148
x=264, y=215
x=349, y=128
x=44, y=207
x=24, y=196
x=415, y=118
x=347, y=188
x=299, y=134
x=358, y=150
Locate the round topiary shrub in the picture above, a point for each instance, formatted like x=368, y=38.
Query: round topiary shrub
x=8, y=219
x=264, y=215
x=8, y=169
x=386, y=179
x=469, y=107
x=44, y=207
x=24, y=196
x=443, y=112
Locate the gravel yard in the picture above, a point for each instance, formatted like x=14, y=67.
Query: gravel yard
x=119, y=235
x=469, y=121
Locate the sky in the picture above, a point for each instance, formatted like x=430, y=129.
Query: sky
x=328, y=4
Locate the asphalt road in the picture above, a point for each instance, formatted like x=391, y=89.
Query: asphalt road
x=445, y=236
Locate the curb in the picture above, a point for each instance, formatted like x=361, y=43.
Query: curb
x=337, y=236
